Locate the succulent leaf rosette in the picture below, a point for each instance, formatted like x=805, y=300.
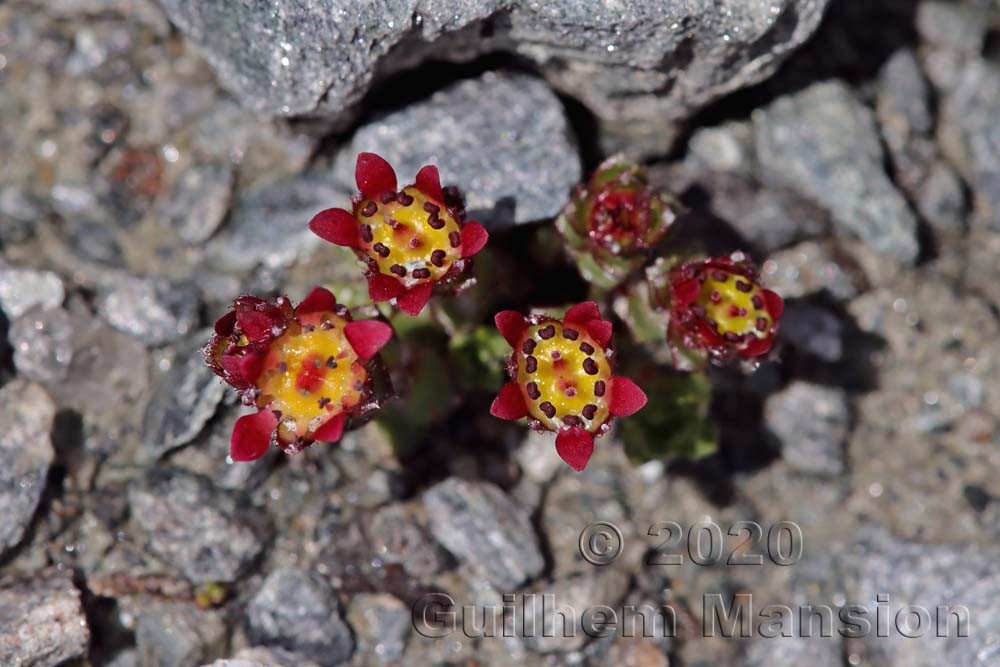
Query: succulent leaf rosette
x=308, y=369
x=562, y=378
x=412, y=240
x=717, y=305
x=612, y=222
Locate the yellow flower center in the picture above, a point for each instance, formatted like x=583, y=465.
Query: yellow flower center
x=564, y=376
x=311, y=373
x=735, y=305
x=410, y=237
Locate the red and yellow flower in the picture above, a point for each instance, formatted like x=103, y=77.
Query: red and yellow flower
x=307, y=369
x=562, y=379
x=411, y=239
x=719, y=306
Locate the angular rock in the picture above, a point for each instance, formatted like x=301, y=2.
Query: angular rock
x=24, y=289
x=178, y=636
x=398, y=534
x=198, y=202
x=206, y=534
x=41, y=621
x=298, y=611
x=182, y=403
x=153, y=311
x=43, y=344
x=381, y=624
x=481, y=525
x=502, y=138
x=268, y=224
x=823, y=142
x=812, y=423
x=26, y=413
x=626, y=60
x=811, y=267
x=970, y=135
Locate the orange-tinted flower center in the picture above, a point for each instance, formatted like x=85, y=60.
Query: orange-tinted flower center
x=735, y=305
x=564, y=376
x=311, y=374
x=410, y=236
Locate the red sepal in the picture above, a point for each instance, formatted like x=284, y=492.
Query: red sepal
x=626, y=397
x=582, y=312
x=367, y=337
x=224, y=325
x=428, y=181
x=685, y=292
x=382, y=287
x=337, y=226
x=474, y=237
x=600, y=331
x=255, y=325
x=373, y=175
x=319, y=300
x=757, y=347
x=332, y=430
x=509, y=403
x=575, y=446
x=774, y=303
x=252, y=435
x=511, y=325
x=413, y=300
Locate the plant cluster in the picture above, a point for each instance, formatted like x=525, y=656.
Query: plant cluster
x=312, y=371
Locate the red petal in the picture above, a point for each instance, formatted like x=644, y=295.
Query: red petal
x=367, y=337
x=686, y=292
x=626, y=397
x=319, y=300
x=337, y=226
x=600, y=331
x=474, y=237
x=414, y=299
x=256, y=326
x=511, y=325
x=252, y=435
x=429, y=182
x=373, y=175
x=575, y=445
x=582, y=312
x=224, y=325
x=332, y=429
x=775, y=304
x=509, y=403
x=757, y=347
x=382, y=287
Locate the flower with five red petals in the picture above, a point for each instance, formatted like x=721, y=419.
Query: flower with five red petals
x=411, y=239
x=307, y=369
x=562, y=379
x=719, y=306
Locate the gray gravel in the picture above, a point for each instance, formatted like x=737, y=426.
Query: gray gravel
x=178, y=636
x=298, y=610
x=824, y=142
x=43, y=345
x=41, y=621
x=154, y=312
x=483, y=527
x=206, y=534
x=503, y=138
x=26, y=411
x=23, y=289
x=812, y=423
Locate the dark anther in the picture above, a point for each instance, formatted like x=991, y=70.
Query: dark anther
x=590, y=366
x=282, y=367
x=404, y=199
x=570, y=334
x=733, y=337
x=455, y=239
x=437, y=257
x=366, y=231
x=331, y=363
x=381, y=249
x=546, y=333
x=533, y=391
x=530, y=365
x=421, y=273
x=529, y=346
x=369, y=209
x=758, y=302
x=434, y=221
x=431, y=207
x=720, y=276
x=388, y=197
x=323, y=402
x=599, y=388
x=398, y=269
x=308, y=328
x=589, y=410
x=548, y=409
x=586, y=348
x=326, y=326
x=571, y=420
x=743, y=286
x=761, y=324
